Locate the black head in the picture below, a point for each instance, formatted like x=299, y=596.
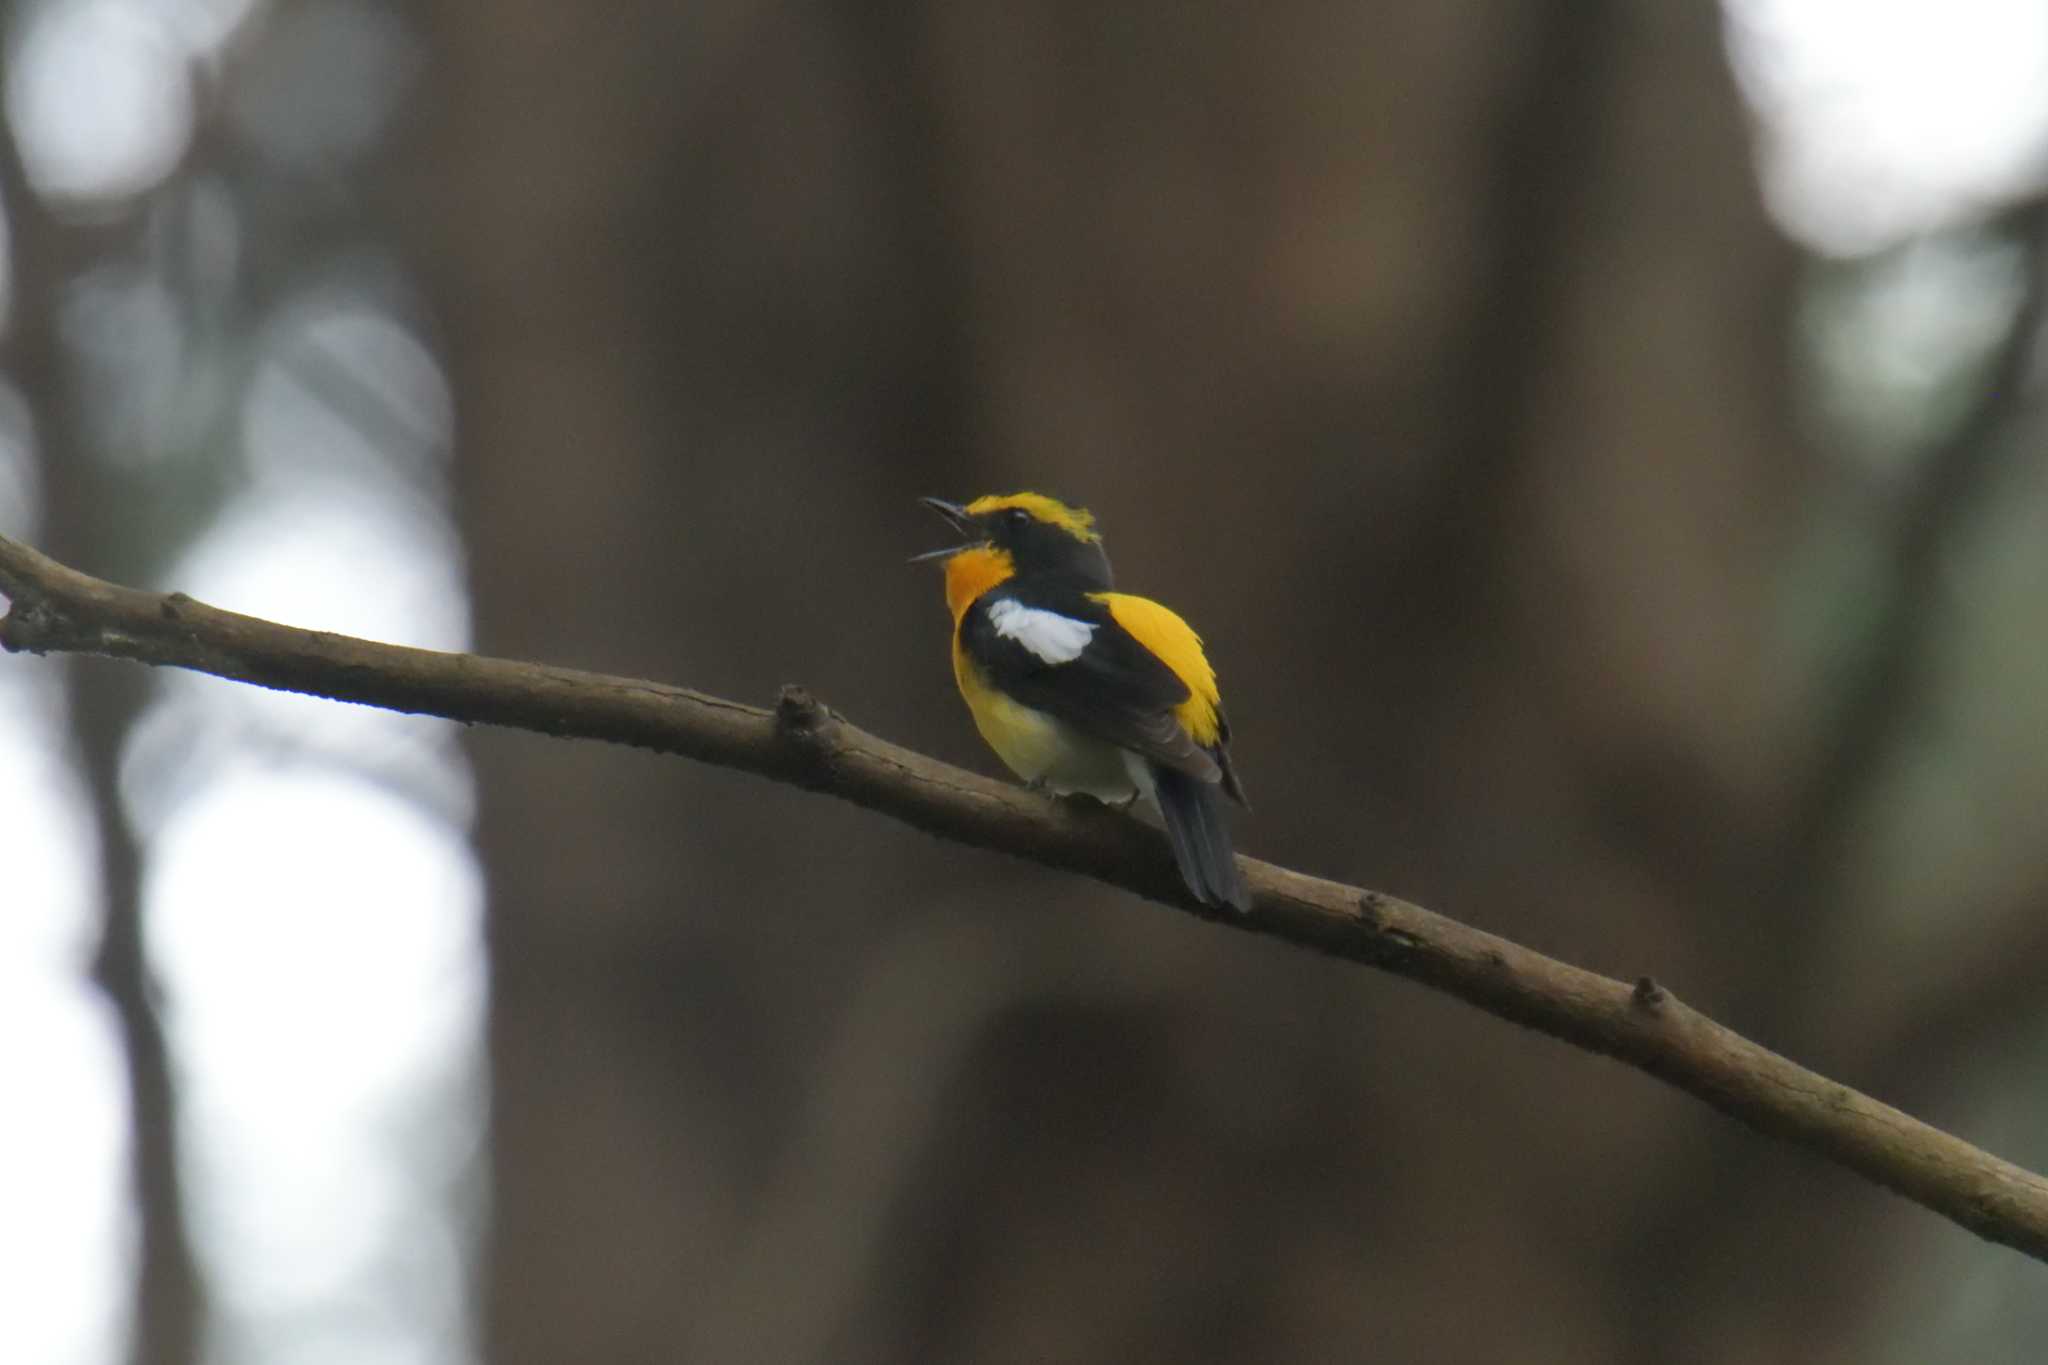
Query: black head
x=1039, y=535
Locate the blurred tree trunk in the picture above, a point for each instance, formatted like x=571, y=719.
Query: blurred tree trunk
x=93, y=516
x=1430, y=356
x=672, y=241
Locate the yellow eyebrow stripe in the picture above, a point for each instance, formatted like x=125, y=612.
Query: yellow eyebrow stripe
x=1077, y=521
x=1174, y=643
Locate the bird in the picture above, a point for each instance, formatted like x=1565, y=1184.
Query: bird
x=1081, y=689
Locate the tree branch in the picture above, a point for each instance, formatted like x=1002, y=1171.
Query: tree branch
x=56, y=609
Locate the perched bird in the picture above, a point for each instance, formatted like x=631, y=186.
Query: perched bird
x=1081, y=689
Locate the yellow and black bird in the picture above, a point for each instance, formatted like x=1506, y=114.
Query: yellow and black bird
x=1081, y=689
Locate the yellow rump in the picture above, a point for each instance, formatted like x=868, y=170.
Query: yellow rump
x=1174, y=641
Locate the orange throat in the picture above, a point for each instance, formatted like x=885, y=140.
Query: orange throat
x=973, y=572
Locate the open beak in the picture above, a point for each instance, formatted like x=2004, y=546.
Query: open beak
x=962, y=523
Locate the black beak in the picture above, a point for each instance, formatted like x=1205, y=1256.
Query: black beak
x=961, y=522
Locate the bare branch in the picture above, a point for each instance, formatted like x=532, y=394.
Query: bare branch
x=56, y=609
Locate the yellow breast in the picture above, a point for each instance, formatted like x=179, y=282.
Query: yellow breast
x=1038, y=747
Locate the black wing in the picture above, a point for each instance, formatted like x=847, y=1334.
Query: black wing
x=1115, y=689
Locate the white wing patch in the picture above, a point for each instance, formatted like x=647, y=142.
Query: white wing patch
x=1054, y=638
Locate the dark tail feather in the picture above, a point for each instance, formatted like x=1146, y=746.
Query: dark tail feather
x=1193, y=812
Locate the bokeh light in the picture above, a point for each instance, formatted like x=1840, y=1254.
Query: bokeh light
x=1881, y=119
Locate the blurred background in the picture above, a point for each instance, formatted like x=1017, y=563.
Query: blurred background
x=1602, y=443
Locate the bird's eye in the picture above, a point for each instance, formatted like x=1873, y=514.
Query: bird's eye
x=1016, y=518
